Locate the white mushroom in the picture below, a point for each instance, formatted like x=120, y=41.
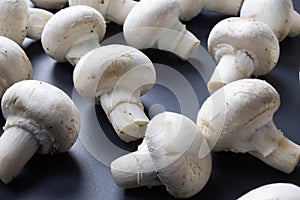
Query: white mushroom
x=116, y=76
x=278, y=14
x=49, y=4
x=239, y=118
x=19, y=21
x=229, y=7
x=38, y=19
x=155, y=22
x=170, y=155
x=112, y=10
x=72, y=32
x=190, y=8
x=39, y=118
x=241, y=47
x=283, y=191
x=14, y=64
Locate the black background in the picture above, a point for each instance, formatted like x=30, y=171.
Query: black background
x=78, y=175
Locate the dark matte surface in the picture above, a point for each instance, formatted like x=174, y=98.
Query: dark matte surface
x=78, y=175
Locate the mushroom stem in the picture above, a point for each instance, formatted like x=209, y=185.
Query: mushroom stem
x=119, y=9
x=82, y=46
x=228, y=7
x=274, y=149
x=38, y=20
x=126, y=113
x=179, y=40
x=295, y=28
x=22, y=146
x=231, y=67
x=135, y=169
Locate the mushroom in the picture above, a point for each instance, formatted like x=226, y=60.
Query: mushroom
x=49, y=4
x=170, y=155
x=112, y=10
x=72, y=32
x=19, y=21
x=228, y=7
x=278, y=14
x=274, y=191
x=38, y=19
x=239, y=118
x=116, y=76
x=190, y=8
x=241, y=47
x=14, y=64
x=39, y=118
x=155, y=22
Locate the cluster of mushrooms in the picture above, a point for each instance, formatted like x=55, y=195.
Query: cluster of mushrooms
x=175, y=152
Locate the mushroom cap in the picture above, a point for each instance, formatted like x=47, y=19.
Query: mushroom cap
x=14, y=64
x=176, y=145
x=250, y=36
x=43, y=110
x=273, y=191
x=190, y=8
x=14, y=19
x=68, y=25
x=244, y=103
x=99, y=5
x=148, y=20
x=111, y=66
x=49, y=4
x=277, y=14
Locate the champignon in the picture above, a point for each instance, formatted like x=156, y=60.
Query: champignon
x=241, y=47
x=278, y=14
x=49, y=4
x=39, y=118
x=116, y=76
x=112, y=10
x=239, y=118
x=14, y=64
x=274, y=191
x=171, y=154
x=155, y=22
x=190, y=8
x=228, y=7
x=72, y=32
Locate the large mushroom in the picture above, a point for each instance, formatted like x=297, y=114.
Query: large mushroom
x=39, y=118
x=16, y=19
x=155, y=22
x=14, y=64
x=278, y=14
x=241, y=47
x=171, y=154
x=239, y=118
x=72, y=32
x=112, y=10
x=116, y=76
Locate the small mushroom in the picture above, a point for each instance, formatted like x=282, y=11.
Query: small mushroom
x=19, y=21
x=112, y=10
x=38, y=19
x=72, y=32
x=155, y=22
x=39, y=118
x=190, y=8
x=116, y=76
x=170, y=155
x=278, y=14
x=14, y=64
x=274, y=191
x=239, y=118
x=49, y=4
x=228, y=7
x=241, y=47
